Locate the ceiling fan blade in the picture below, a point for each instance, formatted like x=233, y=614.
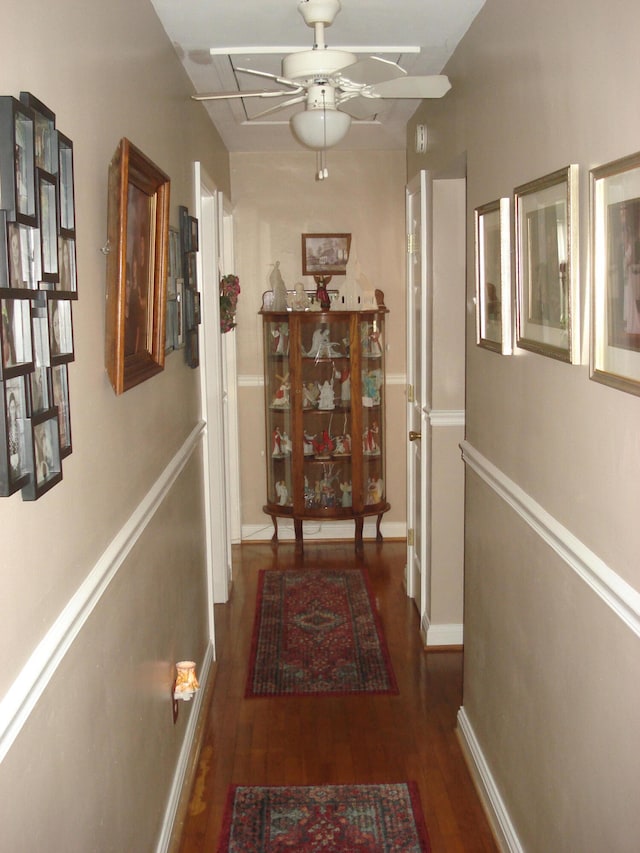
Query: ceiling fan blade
x=278, y=79
x=249, y=93
x=372, y=70
x=297, y=100
x=412, y=87
x=360, y=108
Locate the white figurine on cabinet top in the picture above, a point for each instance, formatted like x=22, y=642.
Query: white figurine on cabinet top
x=278, y=287
x=299, y=301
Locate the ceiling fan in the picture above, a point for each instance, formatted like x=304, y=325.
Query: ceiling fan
x=333, y=84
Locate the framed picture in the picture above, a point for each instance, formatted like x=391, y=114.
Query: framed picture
x=325, y=254
x=615, y=242
x=192, y=347
x=68, y=282
x=43, y=453
x=43, y=131
x=14, y=434
x=24, y=256
x=193, y=235
x=16, y=337
x=138, y=230
x=60, y=331
x=17, y=161
x=67, y=215
x=185, y=229
x=60, y=389
x=493, y=276
x=547, y=286
x=179, y=313
x=48, y=217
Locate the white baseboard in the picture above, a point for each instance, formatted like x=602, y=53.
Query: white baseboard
x=444, y=635
x=493, y=803
x=313, y=531
x=184, y=759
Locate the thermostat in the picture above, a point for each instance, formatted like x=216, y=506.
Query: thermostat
x=421, y=138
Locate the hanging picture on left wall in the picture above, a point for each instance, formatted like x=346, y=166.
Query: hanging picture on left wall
x=138, y=240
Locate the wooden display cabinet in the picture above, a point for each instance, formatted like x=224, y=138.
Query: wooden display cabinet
x=325, y=417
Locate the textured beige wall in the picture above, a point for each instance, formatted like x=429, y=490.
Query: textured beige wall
x=276, y=199
x=83, y=758
x=551, y=675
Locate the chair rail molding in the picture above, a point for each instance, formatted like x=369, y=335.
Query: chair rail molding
x=616, y=593
x=23, y=695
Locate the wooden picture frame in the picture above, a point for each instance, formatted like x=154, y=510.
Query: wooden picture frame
x=325, y=254
x=138, y=234
x=547, y=285
x=493, y=276
x=615, y=274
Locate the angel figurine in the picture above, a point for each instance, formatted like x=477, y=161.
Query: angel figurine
x=278, y=287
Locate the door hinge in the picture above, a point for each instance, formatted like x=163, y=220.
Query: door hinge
x=411, y=244
x=410, y=397
x=410, y=536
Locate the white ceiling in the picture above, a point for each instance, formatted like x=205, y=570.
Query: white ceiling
x=400, y=26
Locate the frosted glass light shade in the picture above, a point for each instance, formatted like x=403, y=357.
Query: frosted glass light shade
x=309, y=126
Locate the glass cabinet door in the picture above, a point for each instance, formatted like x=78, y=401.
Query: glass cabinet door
x=371, y=340
x=326, y=425
x=278, y=404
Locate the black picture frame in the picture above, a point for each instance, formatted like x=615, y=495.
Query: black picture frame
x=66, y=186
x=43, y=454
x=44, y=133
x=60, y=329
x=17, y=161
x=15, y=436
x=16, y=335
x=48, y=221
x=60, y=392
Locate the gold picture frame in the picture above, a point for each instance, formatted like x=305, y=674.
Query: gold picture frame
x=493, y=276
x=615, y=236
x=138, y=238
x=547, y=283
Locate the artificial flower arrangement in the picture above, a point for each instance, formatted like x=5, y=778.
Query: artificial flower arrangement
x=229, y=290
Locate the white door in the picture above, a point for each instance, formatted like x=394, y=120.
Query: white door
x=418, y=212
x=212, y=387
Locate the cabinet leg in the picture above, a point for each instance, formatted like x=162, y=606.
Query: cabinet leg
x=378, y=534
x=274, y=538
x=297, y=526
x=359, y=522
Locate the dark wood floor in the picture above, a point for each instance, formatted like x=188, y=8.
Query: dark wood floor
x=326, y=740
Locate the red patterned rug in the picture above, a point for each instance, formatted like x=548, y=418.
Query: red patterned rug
x=317, y=632
x=325, y=819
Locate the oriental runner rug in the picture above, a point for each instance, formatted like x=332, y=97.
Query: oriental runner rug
x=317, y=632
x=324, y=819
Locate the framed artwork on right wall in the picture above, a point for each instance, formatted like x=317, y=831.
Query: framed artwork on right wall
x=615, y=242
x=547, y=283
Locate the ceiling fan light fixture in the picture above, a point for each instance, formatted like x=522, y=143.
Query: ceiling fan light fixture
x=320, y=128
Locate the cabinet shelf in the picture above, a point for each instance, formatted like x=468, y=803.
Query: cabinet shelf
x=329, y=414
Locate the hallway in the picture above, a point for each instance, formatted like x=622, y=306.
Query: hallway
x=365, y=739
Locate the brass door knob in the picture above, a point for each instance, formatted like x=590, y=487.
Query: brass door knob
x=413, y=436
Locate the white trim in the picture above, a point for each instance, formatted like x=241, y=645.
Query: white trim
x=184, y=759
x=620, y=596
x=321, y=531
x=446, y=417
x=503, y=829
x=444, y=635
x=23, y=695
